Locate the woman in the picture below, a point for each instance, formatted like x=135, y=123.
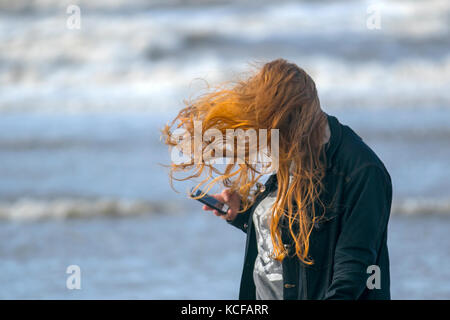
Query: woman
x=317, y=229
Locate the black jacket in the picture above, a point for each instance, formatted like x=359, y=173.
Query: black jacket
x=353, y=235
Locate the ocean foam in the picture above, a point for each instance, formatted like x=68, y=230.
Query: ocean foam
x=27, y=209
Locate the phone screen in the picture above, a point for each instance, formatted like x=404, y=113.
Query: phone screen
x=210, y=201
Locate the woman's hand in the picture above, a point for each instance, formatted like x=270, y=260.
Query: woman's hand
x=231, y=199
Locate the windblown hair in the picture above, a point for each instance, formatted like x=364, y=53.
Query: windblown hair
x=278, y=95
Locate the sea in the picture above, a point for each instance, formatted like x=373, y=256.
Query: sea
x=83, y=169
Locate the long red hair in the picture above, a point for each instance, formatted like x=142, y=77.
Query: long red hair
x=278, y=95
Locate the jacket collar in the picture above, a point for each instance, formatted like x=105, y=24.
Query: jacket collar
x=335, y=140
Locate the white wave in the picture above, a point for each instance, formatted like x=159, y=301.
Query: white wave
x=35, y=209
x=413, y=83
x=144, y=59
x=26, y=209
x=421, y=206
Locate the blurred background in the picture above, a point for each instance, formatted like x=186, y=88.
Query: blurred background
x=81, y=109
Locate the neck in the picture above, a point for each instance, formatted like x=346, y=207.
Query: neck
x=327, y=132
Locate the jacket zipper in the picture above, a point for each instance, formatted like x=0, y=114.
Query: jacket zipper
x=304, y=284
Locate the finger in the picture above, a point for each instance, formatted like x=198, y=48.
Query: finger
x=231, y=215
x=226, y=216
x=226, y=195
x=219, y=197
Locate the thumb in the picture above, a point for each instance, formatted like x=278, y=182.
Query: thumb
x=226, y=195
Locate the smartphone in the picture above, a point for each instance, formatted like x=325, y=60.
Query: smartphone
x=211, y=202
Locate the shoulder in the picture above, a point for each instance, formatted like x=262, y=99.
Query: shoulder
x=355, y=158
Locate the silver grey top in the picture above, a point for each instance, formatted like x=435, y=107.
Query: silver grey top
x=267, y=272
